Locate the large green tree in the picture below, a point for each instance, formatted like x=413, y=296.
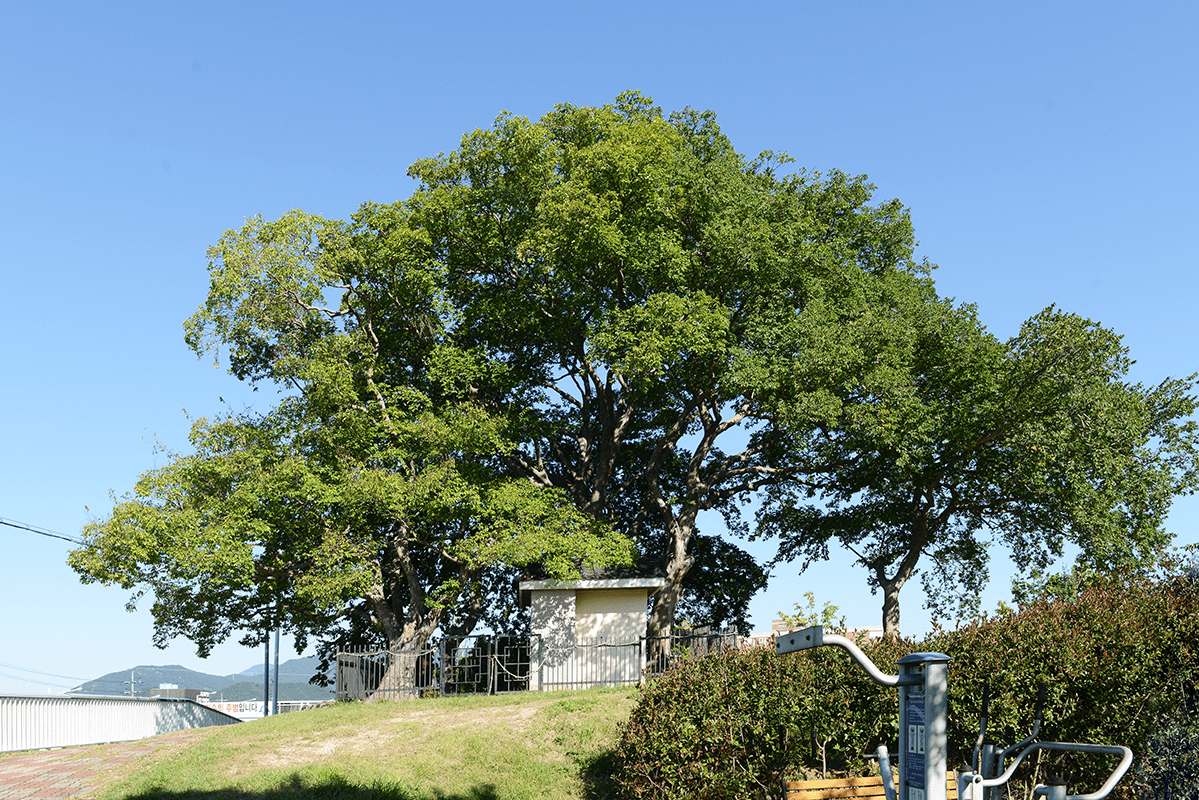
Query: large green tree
x=651, y=303
x=655, y=326
x=637, y=302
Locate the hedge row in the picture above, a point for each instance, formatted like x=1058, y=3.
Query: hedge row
x=1120, y=657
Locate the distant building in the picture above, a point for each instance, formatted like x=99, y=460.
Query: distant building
x=868, y=632
x=173, y=691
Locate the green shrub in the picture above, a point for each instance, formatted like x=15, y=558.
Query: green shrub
x=1169, y=767
x=730, y=725
x=1119, y=654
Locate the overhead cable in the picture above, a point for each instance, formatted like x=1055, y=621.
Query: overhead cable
x=41, y=531
x=37, y=672
x=39, y=683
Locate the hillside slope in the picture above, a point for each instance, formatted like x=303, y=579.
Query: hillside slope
x=510, y=747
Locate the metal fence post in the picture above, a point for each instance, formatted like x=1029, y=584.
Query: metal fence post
x=444, y=667
x=540, y=663
x=642, y=661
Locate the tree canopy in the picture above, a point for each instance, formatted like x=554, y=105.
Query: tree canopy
x=1035, y=442
x=366, y=500
x=651, y=304
x=588, y=329
x=272, y=523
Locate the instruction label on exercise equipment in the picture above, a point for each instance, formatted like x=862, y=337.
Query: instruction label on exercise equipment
x=913, y=763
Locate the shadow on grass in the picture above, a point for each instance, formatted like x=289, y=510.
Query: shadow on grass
x=597, y=771
x=329, y=787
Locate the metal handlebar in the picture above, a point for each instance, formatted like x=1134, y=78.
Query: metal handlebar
x=975, y=781
x=1037, y=718
x=815, y=636
x=1103, y=791
x=884, y=767
x=982, y=726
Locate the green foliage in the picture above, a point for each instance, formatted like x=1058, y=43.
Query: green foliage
x=320, y=511
x=374, y=501
x=619, y=288
x=645, y=293
x=1119, y=656
x=732, y=724
x=595, y=326
x=806, y=614
x=957, y=439
x=719, y=586
x=1169, y=765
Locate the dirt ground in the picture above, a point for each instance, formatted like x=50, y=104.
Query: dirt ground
x=76, y=771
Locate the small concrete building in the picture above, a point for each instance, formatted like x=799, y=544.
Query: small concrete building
x=591, y=631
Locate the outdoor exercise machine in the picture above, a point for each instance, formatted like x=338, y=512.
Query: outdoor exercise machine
x=923, y=730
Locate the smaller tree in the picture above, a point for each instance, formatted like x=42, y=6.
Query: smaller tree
x=806, y=614
x=719, y=585
x=958, y=439
x=280, y=522
x=370, y=502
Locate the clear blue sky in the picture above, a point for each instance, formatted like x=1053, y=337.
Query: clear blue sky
x=1047, y=152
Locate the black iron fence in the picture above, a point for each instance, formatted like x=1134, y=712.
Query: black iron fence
x=500, y=664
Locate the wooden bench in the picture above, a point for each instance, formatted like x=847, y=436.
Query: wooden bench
x=856, y=788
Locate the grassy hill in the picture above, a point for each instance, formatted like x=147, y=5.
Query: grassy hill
x=551, y=746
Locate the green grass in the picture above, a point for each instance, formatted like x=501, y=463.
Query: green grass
x=512, y=747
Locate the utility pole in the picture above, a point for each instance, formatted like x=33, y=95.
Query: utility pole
x=266, y=677
x=132, y=683
x=275, y=704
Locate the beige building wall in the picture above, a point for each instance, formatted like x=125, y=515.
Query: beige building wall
x=610, y=615
x=553, y=615
x=590, y=631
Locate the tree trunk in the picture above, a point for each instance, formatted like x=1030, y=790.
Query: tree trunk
x=891, y=609
x=410, y=662
x=666, y=601
x=661, y=618
x=408, y=626
x=919, y=536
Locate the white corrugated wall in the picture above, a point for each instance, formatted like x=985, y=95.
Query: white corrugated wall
x=31, y=722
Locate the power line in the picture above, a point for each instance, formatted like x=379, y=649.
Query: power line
x=39, y=683
x=40, y=531
x=38, y=672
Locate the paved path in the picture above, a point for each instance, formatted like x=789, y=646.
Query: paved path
x=74, y=771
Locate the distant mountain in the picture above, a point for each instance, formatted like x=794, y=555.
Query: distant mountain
x=295, y=670
x=147, y=678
